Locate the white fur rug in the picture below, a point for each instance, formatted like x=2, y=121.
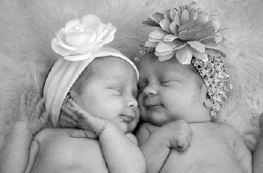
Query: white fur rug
x=28, y=26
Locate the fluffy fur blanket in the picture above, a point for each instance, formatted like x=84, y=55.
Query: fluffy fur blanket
x=28, y=26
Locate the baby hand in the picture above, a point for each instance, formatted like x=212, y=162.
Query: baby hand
x=92, y=126
x=31, y=114
x=177, y=135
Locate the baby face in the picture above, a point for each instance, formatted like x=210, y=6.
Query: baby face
x=169, y=91
x=110, y=92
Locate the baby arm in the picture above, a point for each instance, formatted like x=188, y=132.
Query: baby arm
x=15, y=150
x=156, y=142
x=121, y=153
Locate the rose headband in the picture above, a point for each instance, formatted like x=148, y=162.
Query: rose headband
x=191, y=36
x=80, y=42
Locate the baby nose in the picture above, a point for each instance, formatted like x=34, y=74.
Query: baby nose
x=133, y=103
x=150, y=90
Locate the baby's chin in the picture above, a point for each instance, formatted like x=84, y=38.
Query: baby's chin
x=126, y=128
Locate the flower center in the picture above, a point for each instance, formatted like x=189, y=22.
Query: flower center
x=81, y=29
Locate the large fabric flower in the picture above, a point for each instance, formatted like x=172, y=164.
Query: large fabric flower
x=184, y=32
x=81, y=37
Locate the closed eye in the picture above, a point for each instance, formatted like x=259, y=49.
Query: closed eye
x=116, y=91
x=167, y=82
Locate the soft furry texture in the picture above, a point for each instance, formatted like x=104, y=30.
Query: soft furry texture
x=28, y=26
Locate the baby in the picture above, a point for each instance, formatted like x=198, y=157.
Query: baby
x=99, y=80
x=182, y=77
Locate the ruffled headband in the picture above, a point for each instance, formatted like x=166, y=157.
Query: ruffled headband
x=191, y=36
x=79, y=43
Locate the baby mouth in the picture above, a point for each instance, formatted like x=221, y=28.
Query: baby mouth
x=153, y=106
x=127, y=118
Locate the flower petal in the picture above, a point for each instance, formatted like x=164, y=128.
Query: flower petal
x=177, y=20
x=157, y=17
x=150, y=44
x=202, y=17
x=59, y=49
x=105, y=30
x=61, y=35
x=157, y=34
x=174, y=28
x=184, y=55
x=219, y=38
x=164, y=53
x=99, y=29
x=215, y=53
x=169, y=37
x=109, y=37
x=166, y=57
x=91, y=21
x=167, y=15
x=165, y=24
x=87, y=47
x=197, y=46
x=70, y=24
x=78, y=57
x=76, y=39
x=154, y=40
x=194, y=15
x=165, y=46
x=202, y=56
x=185, y=16
x=66, y=46
x=216, y=25
x=151, y=22
x=213, y=46
x=192, y=5
x=92, y=38
x=173, y=13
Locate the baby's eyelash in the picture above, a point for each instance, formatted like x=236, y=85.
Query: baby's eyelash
x=117, y=91
x=166, y=81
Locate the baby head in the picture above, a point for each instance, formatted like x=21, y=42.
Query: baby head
x=107, y=88
x=102, y=81
x=182, y=73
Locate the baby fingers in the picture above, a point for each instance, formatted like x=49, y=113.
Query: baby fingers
x=79, y=112
x=69, y=113
x=67, y=121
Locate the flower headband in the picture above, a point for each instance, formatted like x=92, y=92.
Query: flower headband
x=79, y=43
x=191, y=36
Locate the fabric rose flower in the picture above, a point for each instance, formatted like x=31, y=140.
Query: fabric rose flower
x=81, y=37
x=184, y=32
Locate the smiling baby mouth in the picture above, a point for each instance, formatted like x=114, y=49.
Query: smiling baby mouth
x=150, y=106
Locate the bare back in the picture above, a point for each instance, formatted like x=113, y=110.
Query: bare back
x=58, y=152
